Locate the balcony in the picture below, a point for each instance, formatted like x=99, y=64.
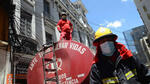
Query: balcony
x=26, y=46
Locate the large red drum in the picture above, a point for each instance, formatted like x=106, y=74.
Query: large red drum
x=74, y=61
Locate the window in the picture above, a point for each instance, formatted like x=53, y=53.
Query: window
x=53, y=3
x=48, y=38
x=148, y=16
x=25, y=23
x=89, y=41
x=67, y=5
x=148, y=43
x=80, y=37
x=46, y=8
x=144, y=8
x=59, y=15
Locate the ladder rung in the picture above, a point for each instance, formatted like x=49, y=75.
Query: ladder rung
x=51, y=79
x=50, y=70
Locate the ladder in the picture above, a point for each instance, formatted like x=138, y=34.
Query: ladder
x=49, y=61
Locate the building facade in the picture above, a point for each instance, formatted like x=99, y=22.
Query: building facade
x=137, y=42
x=35, y=25
x=143, y=8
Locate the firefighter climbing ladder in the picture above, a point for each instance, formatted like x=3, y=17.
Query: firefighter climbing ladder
x=47, y=61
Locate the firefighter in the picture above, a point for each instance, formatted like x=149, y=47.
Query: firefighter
x=114, y=63
x=65, y=27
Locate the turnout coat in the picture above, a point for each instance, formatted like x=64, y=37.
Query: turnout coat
x=121, y=68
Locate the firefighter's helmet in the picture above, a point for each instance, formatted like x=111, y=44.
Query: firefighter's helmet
x=103, y=33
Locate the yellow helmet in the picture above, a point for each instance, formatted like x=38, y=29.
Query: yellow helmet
x=103, y=33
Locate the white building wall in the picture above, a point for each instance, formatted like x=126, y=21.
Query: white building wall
x=2, y=66
x=17, y=3
x=57, y=34
x=76, y=34
x=43, y=32
x=86, y=41
x=139, y=5
x=8, y=66
x=55, y=14
x=33, y=27
x=145, y=48
x=39, y=23
x=5, y=66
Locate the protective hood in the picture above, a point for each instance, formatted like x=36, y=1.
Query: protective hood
x=124, y=52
